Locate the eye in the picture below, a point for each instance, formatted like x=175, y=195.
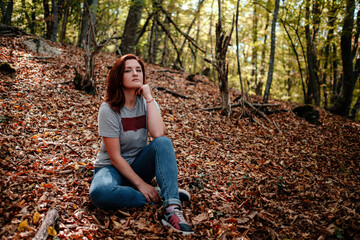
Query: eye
x=138, y=70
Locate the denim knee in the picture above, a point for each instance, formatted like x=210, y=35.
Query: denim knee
x=163, y=141
x=98, y=195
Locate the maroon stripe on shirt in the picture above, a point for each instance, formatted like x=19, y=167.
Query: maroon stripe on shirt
x=134, y=123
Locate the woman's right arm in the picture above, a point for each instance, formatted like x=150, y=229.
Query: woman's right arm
x=113, y=148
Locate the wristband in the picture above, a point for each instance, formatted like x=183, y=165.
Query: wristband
x=150, y=100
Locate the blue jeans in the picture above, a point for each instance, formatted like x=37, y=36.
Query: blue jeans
x=110, y=190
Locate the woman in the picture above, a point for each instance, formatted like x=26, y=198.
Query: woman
x=126, y=163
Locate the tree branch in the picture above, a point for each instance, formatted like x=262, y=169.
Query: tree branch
x=50, y=219
x=191, y=40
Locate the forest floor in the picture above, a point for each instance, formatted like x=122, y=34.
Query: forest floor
x=248, y=178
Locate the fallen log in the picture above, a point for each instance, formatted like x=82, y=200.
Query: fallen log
x=50, y=219
x=249, y=105
x=172, y=92
x=168, y=71
x=168, y=76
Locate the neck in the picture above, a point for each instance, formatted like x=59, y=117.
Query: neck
x=130, y=98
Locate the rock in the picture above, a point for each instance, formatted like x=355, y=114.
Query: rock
x=40, y=46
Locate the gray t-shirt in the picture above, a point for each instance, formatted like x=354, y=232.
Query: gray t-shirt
x=130, y=126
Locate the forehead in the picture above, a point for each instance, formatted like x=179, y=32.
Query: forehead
x=132, y=63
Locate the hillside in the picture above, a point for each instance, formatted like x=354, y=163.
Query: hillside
x=248, y=178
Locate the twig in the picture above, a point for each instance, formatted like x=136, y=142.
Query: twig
x=211, y=62
x=168, y=71
x=259, y=123
x=277, y=127
x=73, y=150
x=168, y=76
x=66, y=171
x=172, y=92
x=257, y=110
x=66, y=82
x=218, y=108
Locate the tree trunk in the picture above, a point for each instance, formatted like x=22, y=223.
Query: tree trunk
x=165, y=53
x=357, y=34
x=313, y=84
x=258, y=89
x=213, y=69
x=88, y=82
x=151, y=42
x=7, y=11
x=48, y=20
x=254, y=59
x=272, y=53
x=355, y=109
x=195, y=51
x=335, y=82
x=64, y=23
x=56, y=21
x=237, y=50
x=32, y=18
x=343, y=102
x=297, y=58
x=330, y=36
x=85, y=21
x=192, y=24
x=131, y=25
x=222, y=43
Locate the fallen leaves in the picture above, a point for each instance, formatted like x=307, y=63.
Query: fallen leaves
x=23, y=226
x=246, y=181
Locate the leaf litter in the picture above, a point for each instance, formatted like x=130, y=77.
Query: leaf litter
x=247, y=180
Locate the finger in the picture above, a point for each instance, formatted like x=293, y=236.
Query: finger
x=148, y=199
x=155, y=197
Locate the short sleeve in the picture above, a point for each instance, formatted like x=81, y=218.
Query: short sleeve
x=109, y=122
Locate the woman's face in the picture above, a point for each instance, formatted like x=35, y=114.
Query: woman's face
x=133, y=75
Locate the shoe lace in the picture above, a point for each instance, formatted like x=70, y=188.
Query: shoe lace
x=180, y=215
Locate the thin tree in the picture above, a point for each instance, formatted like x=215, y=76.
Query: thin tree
x=221, y=65
x=31, y=19
x=313, y=93
x=272, y=53
x=88, y=82
x=343, y=101
x=254, y=59
x=6, y=11
x=85, y=21
x=237, y=51
x=55, y=14
x=64, y=20
x=128, y=40
x=329, y=39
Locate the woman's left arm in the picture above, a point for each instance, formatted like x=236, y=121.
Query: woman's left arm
x=155, y=122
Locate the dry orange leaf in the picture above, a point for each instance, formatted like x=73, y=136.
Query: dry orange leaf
x=23, y=226
x=51, y=231
x=36, y=217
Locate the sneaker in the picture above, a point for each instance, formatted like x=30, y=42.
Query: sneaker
x=176, y=221
x=183, y=194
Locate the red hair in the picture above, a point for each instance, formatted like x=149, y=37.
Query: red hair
x=114, y=93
